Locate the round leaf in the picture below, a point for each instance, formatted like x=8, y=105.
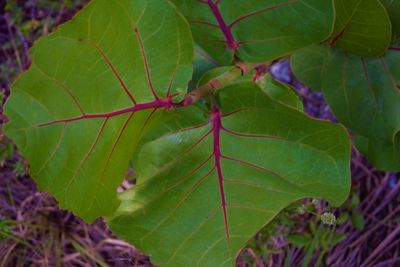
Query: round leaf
x=256, y=30
x=204, y=190
x=393, y=8
x=364, y=95
x=362, y=27
x=94, y=84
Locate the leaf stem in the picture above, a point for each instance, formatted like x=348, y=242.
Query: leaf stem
x=226, y=30
x=326, y=249
x=167, y=103
x=217, y=126
x=217, y=83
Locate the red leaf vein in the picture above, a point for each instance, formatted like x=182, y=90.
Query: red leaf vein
x=113, y=69
x=145, y=61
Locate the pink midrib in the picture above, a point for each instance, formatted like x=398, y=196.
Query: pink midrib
x=217, y=126
x=158, y=103
x=226, y=30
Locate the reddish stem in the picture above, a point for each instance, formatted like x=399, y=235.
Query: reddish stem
x=260, y=71
x=145, y=62
x=217, y=126
x=226, y=30
x=158, y=103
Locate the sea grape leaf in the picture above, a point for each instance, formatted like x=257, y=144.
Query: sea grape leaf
x=307, y=65
x=204, y=190
x=202, y=64
x=393, y=8
x=384, y=154
x=280, y=91
x=364, y=94
x=362, y=27
x=94, y=84
x=170, y=121
x=215, y=72
x=256, y=30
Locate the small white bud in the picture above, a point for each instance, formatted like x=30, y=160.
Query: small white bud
x=315, y=201
x=301, y=210
x=328, y=218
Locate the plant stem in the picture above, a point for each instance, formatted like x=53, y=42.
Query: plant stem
x=326, y=249
x=226, y=30
x=217, y=83
x=313, y=247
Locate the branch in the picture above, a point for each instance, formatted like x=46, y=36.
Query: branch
x=218, y=82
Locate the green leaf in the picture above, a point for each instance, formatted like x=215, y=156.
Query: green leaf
x=256, y=30
x=202, y=64
x=91, y=93
x=342, y=218
x=204, y=190
x=384, y=154
x=357, y=219
x=337, y=237
x=355, y=201
x=299, y=240
x=363, y=93
x=280, y=92
x=362, y=27
x=393, y=8
x=214, y=73
x=308, y=64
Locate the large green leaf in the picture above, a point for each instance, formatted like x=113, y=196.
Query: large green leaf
x=204, y=190
x=393, y=8
x=257, y=30
x=364, y=94
x=308, y=64
x=92, y=89
x=280, y=92
x=362, y=27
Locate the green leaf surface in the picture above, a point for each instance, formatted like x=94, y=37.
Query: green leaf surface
x=337, y=237
x=307, y=65
x=299, y=240
x=364, y=94
x=280, y=92
x=362, y=27
x=79, y=111
x=204, y=190
x=215, y=72
x=202, y=64
x=393, y=8
x=357, y=219
x=256, y=30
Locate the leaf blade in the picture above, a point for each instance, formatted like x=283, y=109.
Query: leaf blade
x=98, y=81
x=236, y=185
x=362, y=27
x=255, y=31
x=363, y=93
